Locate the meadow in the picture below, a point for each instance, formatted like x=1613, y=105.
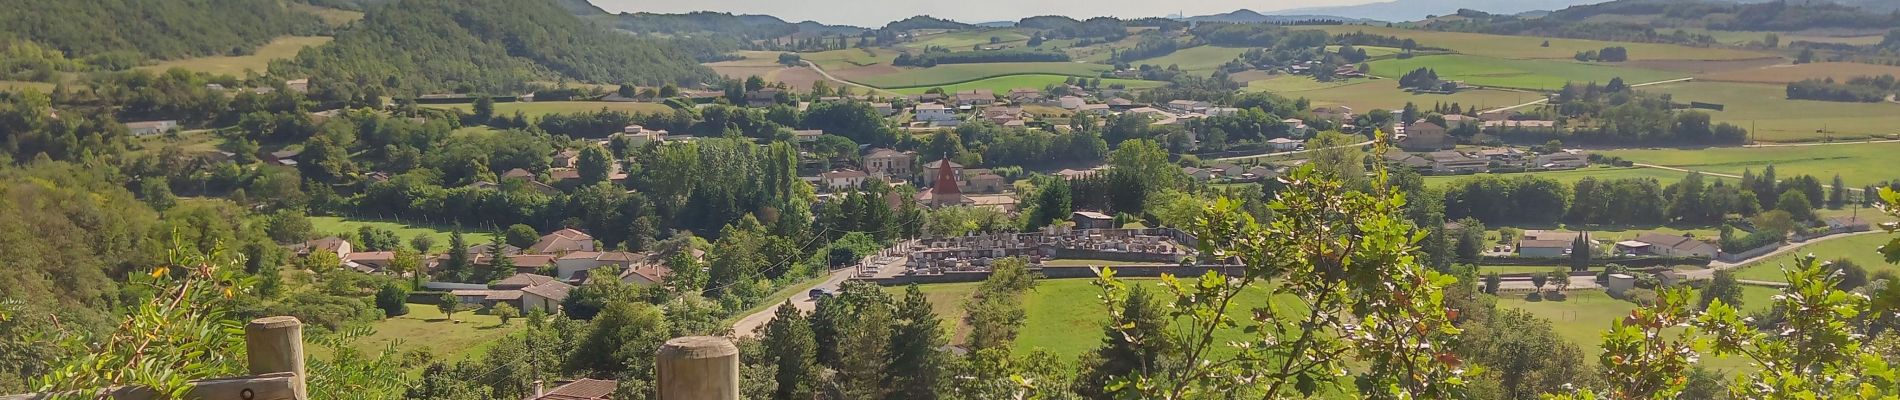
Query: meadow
x=1572, y=176
x=283, y=47
x=1033, y=81
x=1532, y=47
x=1365, y=95
x=1772, y=117
x=1584, y=315
x=964, y=40
x=539, y=108
x=21, y=86
x=347, y=227
x=847, y=58
x=1787, y=73
x=425, y=328
x=1513, y=73
x=1858, y=248
x=1858, y=164
x=1372, y=51
x=949, y=74
x=1201, y=60
x=1064, y=316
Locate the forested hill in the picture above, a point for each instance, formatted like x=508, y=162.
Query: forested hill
x=1601, y=21
x=161, y=29
x=423, y=46
x=741, y=26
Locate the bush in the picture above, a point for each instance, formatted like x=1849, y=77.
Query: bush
x=1642, y=297
x=505, y=311
x=393, y=300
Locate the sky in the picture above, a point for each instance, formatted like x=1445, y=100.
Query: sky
x=876, y=13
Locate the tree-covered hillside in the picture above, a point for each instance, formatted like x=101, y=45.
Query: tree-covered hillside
x=420, y=46
x=134, y=29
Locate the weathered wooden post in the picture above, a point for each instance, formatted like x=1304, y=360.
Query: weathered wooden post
x=275, y=344
x=699, y=368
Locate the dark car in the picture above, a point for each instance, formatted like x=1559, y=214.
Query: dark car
x=818, y=293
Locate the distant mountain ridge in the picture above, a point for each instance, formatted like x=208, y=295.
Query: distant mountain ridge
x=1247, y=16
x=1413, y=10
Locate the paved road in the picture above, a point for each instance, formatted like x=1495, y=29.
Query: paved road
x=1718, y=265
x=1360, y=144
x=744, y=327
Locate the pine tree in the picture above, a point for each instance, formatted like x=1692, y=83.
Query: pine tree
x=1140, y=317
x=457, y=265
x=499, y=265
x=1580, y=252
x=1837, y=195
x=914, y=360
x=789, y=344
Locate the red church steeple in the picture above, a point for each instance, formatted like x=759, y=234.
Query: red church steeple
x=946, y=178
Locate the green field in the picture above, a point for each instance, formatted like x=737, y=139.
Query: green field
x=1366, y=95
x=1064, y=316
x=1858, y=164
x=1586, y=314
x=1371, y=51
x=539, y=108
x=847, y=58
x=960, y=73
x=1532, y=47
x=1201, y=60
x=15, y=86
x=1572, y=176
x=963, y=40
x=283, y=47
x=339, y=226
x=1859, y=248
x=1033, y=81
x=424, y=329
x=1774, y=118
x=1513, y=73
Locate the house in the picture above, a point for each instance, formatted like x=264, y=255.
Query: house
x=979, y=97
x=1426, y=136
x=1024, y=95
x=935, y=114
x=807, y=135
x=931, y=173
x=987, y=183
x=1260, y=172
x=1408, y=160
x=1120, y=103
x=567, y=158
x=1003, y=115
x=298, y=85
x=1543, y=248
x=517, y=173
x=1668, y=245
x=1189, y=106
x=884, y=109
x=1452, y=162
x=842, y=179
x=1283, y=144
x=640, y=135
x=1337, y=113
x=331, y=244
x=1455, y=121
x=1073, y=174
x=1097, y=109
x=1296, y=126
x=1150, y=111
x=1092, y=220
x=1228, y=169
x=1199, y=174
x=369, y=261
x=1071, y=102
x=584, y=389
x=1560, y=161
x=546, y=297
x=286, y=157
x=890, y=163
x=562, y=242
x=148, y=128
x=520, y=281
x=1502, y=155
x=762, y=97
x=645, y=274
x=573, y=263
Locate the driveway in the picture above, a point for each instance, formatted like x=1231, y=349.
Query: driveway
x=745, y=327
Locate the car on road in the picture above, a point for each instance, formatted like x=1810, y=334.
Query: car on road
x=817, y=293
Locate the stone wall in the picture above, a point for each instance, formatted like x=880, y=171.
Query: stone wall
x=1050, y=272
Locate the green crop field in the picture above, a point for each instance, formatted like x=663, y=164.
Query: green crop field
x=283, y=47
x=1774, y=118
x=539, y=108
x=1033, y=81
x=1201, y=60
x=1365, y=95
x=1532, y=47
x=1859, y=248
x=1572, y=176
x=959, y=73
x=1520, y=74
x=1858, y=164
x=1064, y=316
x=340, y=226
x=847, y=58
x=963, y=40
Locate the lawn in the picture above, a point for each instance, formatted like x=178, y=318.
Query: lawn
x=1064, y=315
x=960, y=73
x=1572, y=176
x=1859, y=248
x=1858, y=164
x=1519, y=74
x=539, y=108
x=1772, y=117
x=283, y=47
x=1201, y=60
x=1532, y=47
x=191, y=142
x=340, y=226
x=1371, y=51
x=1586, y=314
x=1003, y=84
x=424, y=329
x=1366, y=95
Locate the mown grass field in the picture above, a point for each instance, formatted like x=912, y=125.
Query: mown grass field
x=347, y=227
x=1365, y=95
x=1064, y=316
x=283, y=47
x=1371, y=51
x=1513, y=73
x=1033, y=81
x=539, y=108
x=1200, y=60
x=1772, y=117
x=1858, y=164
x=847, y=58
x=1532, y=47
x=1584, y=315
x=964, y=40
x=1786, y=73
x=426, y=328
x=1572, y=176
x=960, y=73
x=1859, y=248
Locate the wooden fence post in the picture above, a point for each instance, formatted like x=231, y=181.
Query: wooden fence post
x=699, y=368
x=275, y=344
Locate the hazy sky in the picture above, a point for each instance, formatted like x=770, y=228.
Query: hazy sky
x=875, y=13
